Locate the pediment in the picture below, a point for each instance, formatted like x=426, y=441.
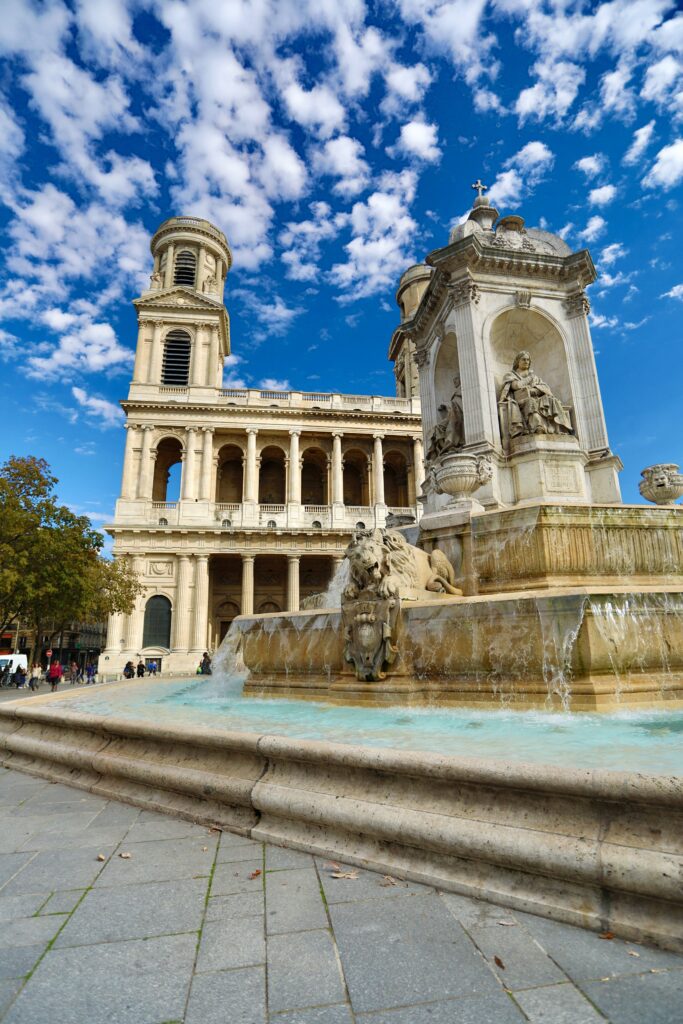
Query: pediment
x=177, y=298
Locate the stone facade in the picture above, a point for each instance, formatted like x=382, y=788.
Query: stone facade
x=272, y=485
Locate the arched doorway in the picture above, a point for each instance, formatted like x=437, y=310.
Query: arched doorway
x=272, y=477
x=356, y=490
x=156, y=631
x=229, y=479
x=169, y=454
x=314, y=478
x=227, y=611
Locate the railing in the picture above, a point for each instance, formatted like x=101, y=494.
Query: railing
x=164, y=506
x=402, y=510
x=358, y=510
x=168, y=389
x=305, y=399
x=233, y=515
x=271, y=509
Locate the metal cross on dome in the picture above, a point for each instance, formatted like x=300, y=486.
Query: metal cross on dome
x=479, y=187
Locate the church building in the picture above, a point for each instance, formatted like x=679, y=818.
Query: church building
x=272, y=483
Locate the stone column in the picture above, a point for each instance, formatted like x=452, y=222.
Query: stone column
x=144, y=483
x=139, y=353
x=128, y=480
x=170, y=259
x=336, y=563
x=114, y=631
x=197, y=370
x=337, y=471
x=418, y=467
x=251, y=477
x=213, y=361
x=293, y=583
x=247, y=604
x=378, y=469
x=156, y=356
x=206, y=477
x=294, y=467
x=187, y=488
x=201, y=603
x=181, y=609
x=201, y=260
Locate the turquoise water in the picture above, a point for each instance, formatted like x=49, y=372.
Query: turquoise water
x=649, y=741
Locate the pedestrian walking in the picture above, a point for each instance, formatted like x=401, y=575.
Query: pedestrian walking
x=205, y=666
x=141, y=668
x=152, y=667
x=35, y=677
x=54, y=675
x=90, y=672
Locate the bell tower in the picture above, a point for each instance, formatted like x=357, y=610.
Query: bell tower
x=183, y=326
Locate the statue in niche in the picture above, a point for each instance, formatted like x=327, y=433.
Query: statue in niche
x=155, y=281
x=529, y=404
x=210, y=284
x=449, y=433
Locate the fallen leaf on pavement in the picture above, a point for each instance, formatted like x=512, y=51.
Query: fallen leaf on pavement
x=333, y=865
x=499, y=963
x=606, y=935
x=100, y=856
x=605, y=979
x=204, y=849
x=388, y=880
x=632, y=952
x=353, y=875
x=255, y=874
x=658, y=970
x=508, y=924
x=125, y=856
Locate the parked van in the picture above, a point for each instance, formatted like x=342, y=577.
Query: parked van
x=14, y=661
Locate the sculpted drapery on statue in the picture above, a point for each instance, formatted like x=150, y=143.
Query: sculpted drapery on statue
x=449, y=432
x=529, y=404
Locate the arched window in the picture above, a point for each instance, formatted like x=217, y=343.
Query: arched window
x=176, y=366
x=163, y=522
x=157, y=628
x=185, y=268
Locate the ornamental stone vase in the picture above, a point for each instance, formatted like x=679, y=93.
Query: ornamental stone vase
x=460, y=475
x=662, y=484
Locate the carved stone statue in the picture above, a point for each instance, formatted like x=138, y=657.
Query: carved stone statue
x=210, y=284
x=449, y=432
x=383, y=567
x=155, y=280
x=529, y=404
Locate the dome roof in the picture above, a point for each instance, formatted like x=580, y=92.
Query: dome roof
x=507, y=232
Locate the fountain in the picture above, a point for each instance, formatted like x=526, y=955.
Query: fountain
x=433, y=732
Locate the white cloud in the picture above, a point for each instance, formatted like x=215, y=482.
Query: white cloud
x=593, y=229
x=485, y=101
x=272, y=312
x=553, y=93
x=88, y=347
x=600, y=321
x=343, y=158
x=673, y=293
x=406, y=85
x=9, y=346
x=667, y=169
x=317, y=109
x=602, y=196
x=522, y=173
x=452, y=27
x=417, y=139
x=282, y=171
x=273, y=384
x=660, y=79
x=101, y=411
x=303, y=239
x=611, y=253
x=591, y=166
x=641, y=140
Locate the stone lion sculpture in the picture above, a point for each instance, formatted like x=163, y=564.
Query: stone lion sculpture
x=383, y=561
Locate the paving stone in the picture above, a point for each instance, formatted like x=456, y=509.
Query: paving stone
x=242, y=850
x=321, y=1015
x=236, y=942
x=496, y=1008
x=639, y=999
x=73, y=839
x=166, y=828
x=56, y=869
x=582, y=954
x=245, y=904
x=8, y=990
x=303, y=971
x=293, y=901
x=27, y=905
x=138, y=982
x=62, y=902
x=476, y=913
x=234, y=878
x=115, y=814
x=369, y=885
x=281, y=857
x=160, y=861
x=11, y=864
x=405, y=950
x=136, y=912
x=237, y=997
x=17, y=961
x=29, y=931
x=558, y=1004
x=526, y=965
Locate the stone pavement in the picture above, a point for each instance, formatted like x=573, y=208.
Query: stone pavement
x=112, y=915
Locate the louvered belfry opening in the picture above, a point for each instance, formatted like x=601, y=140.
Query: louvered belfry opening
x=185, y=268
x=176, y=365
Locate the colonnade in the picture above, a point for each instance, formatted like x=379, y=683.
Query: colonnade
x=199, y=463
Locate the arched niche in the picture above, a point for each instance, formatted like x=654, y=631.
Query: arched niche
x=396, y=480
x=166, y=485
x=272, y=477
x=446, y=367
x=517, y=329
x=229, y=478
x=356, y=487
x=314, y=477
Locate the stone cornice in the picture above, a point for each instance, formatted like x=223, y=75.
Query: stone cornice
x=333, y=419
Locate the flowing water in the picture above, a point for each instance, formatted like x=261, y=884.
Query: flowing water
x=627, y=741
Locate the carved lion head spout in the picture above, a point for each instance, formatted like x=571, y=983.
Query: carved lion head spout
x=662, y=484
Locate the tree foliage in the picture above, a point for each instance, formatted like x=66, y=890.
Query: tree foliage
x=51, y=570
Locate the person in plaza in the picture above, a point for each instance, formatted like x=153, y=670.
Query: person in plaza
x=54, y=674
x=141, y=668
x=35, y=677
x=90, y=672
x=129, y=670
x=205, y=665
x=20, y=677
x=152, y=667
x=4, y=678
x=73, y=673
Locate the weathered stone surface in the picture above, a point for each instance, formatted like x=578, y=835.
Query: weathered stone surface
x=655, y=998
x=238, y=996
x=228, y=943
x=303, y=971
x=293, y=901
x=561, y=1004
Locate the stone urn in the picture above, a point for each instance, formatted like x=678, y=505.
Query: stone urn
x=460, y=475
x=662, y=484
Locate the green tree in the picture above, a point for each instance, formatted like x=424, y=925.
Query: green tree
x=51, y=570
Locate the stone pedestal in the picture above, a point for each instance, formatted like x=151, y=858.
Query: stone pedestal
x=548, y=467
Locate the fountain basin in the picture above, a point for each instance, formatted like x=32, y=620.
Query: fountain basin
x=571, y=649
x=598, y=848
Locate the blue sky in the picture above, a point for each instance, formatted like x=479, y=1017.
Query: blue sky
x=334, y=141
